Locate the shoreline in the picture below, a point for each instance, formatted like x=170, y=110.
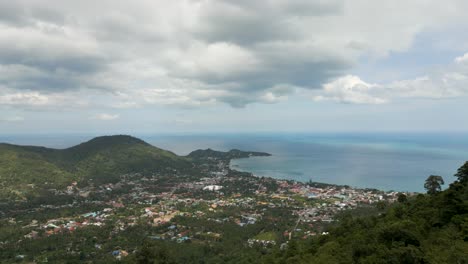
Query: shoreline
x=238, y=169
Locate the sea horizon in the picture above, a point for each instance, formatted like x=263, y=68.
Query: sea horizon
x=388, y=161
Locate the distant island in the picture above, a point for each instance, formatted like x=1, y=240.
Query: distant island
x=118, y=199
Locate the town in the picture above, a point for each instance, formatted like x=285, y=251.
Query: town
x=194, y=211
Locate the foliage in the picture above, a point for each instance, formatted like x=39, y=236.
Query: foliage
x=462, y=173
x=267, y=236
x=25, y=170
x=418, y=229
x=423, y=229
x=433, y=184
x=232, y=154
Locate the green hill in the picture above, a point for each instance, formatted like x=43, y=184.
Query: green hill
x=201, y=154
x=26, y=169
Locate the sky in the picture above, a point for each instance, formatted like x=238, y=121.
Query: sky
x=184, y=66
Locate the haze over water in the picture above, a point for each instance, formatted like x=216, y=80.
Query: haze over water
x=385, y=161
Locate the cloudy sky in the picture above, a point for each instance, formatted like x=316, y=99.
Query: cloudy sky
x=153, y=66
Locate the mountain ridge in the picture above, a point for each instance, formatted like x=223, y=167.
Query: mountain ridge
x=26, y=169
x=102, y=159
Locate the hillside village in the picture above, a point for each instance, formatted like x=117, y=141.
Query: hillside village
x=180, y=211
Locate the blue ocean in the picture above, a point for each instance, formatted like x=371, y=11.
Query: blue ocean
x=388, y=161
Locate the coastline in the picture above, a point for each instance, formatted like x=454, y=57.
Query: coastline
x=313, y=183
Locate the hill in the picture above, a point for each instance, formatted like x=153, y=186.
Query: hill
x=201, y=154
x=24, y=170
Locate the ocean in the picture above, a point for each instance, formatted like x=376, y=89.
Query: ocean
x=387, y=161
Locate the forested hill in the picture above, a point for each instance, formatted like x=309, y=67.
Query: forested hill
x=26, y=169
x=232, y=154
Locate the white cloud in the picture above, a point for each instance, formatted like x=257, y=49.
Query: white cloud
x=448, y=83
x=216, y=61
x=24, y=98
x=462, y=59
x=195, y=53
x=350, y=89
x=40, y=100
x=106, y=117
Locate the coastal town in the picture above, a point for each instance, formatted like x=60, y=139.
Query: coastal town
x=182, y=210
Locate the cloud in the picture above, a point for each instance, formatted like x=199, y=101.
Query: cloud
x=47, y=58
x=9, y=119
x=265, y=21
x=203, y=52
x=27, y=98
x=462, y=59
x=42, y=100
x=351, y=89
x=105, y=117
x=450, y=82
x=219, y=62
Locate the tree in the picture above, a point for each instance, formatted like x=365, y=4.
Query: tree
x=462, y=173
x=433, y=184
x=402, y=198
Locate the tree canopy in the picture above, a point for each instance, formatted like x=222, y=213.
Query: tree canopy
x=434, y=184
x=462, y=173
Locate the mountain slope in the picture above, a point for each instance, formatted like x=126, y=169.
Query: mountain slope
x=24, y=169
x=104, y=157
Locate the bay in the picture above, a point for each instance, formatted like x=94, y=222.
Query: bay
x=388, y=161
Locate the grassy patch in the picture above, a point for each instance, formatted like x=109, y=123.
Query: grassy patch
x=266, y=236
